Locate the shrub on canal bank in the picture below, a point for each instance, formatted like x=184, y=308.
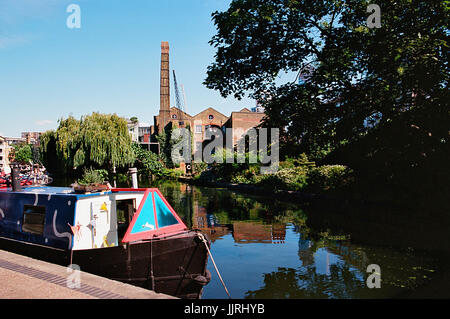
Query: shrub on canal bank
x=171, y=173
x=296, y=174
x=284, y=179
x=329, y=177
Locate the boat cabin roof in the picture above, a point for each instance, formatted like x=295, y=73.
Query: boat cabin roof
x=50, y=190
x=58, y=210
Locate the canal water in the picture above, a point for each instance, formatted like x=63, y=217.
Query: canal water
x=276, y=249
x=269, y=248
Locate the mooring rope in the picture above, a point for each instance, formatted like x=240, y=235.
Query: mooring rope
x=203, y=239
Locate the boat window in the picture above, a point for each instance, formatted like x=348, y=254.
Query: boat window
x=33, y=219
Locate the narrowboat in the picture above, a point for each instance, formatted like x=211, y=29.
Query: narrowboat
x=130, y=235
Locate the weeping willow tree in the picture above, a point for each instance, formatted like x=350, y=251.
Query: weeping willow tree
x=96, y=140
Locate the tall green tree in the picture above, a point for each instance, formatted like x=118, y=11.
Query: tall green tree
x=147, y=162
x=23, y=153
x=363, y=77
x=376, y=97
x=98, y=140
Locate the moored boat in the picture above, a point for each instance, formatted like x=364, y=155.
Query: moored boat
x=28, y=175
x=129, y=235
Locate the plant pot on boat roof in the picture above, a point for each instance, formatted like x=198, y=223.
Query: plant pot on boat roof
x=91, y=182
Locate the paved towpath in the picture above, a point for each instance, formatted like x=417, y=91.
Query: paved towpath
x=27, y=278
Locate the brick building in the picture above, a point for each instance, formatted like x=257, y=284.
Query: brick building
x=239, y=121
x=33, y=138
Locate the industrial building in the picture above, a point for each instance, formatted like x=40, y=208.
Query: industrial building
x=239, y=121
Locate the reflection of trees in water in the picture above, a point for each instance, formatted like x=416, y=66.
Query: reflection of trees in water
x=346, y=277
x=180, y=198
x=227, y=206
x=400, y=271
x=217, y=210
x=342, y=283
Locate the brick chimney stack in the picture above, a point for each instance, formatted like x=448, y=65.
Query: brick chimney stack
x=164, y=107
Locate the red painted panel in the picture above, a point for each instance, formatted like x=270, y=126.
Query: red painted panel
x=167, y=230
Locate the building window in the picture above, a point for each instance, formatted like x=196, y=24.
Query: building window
x=211, y=117
x=198, y=129
x=174, y=116
x=33, y=219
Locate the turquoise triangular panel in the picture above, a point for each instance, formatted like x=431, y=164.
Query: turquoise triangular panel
x=146, y=218
x=164, y=215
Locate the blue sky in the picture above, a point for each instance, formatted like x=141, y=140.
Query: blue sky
x=110, y=65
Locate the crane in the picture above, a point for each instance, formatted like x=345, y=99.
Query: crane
x=184, y=98
x=178, y=101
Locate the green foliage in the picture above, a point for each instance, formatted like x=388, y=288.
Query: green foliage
x=100, y=140
x=147, y=162
x=226, y=171
x=23, y=153
x=301, y=160
x=198, y=168
x=329, y=177
x=134, y=119
x=172, y=173
x=167, y=139
x=293, y=178
x=285, y=179
x=93, y=176
x=376, y=98
x=296, y=174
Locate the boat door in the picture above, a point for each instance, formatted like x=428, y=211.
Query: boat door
x=103, y=234
x=125, y=209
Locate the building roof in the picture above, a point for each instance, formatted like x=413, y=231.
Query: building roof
x=209, y=110
x=176, y=109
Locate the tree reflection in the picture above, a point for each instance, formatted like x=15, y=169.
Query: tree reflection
x=257, y=220
x=289, y=283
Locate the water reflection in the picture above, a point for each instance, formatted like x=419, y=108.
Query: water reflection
x=247, y=220
x=265, y=249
